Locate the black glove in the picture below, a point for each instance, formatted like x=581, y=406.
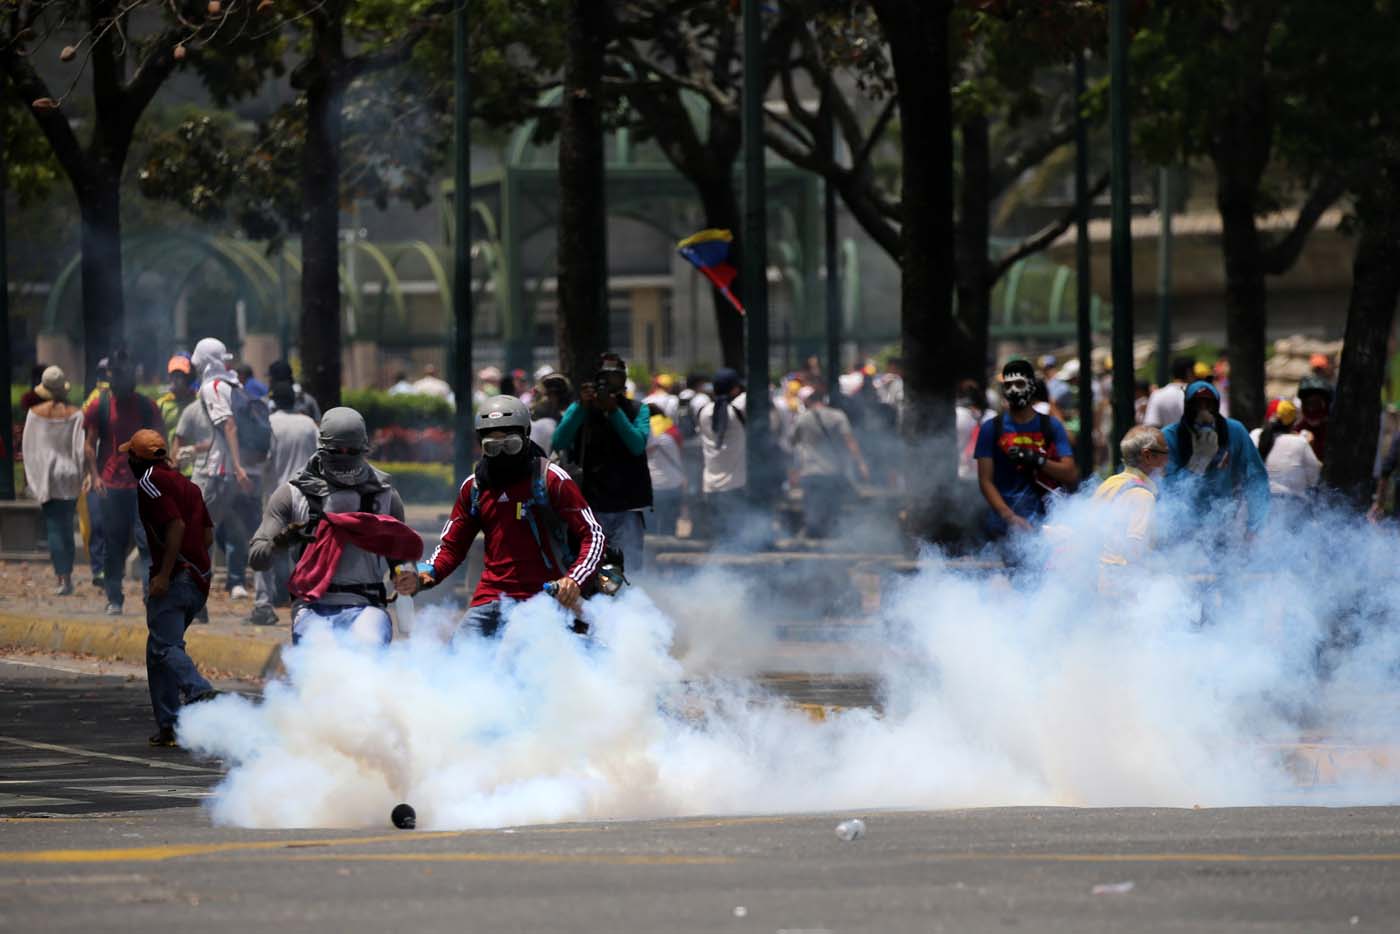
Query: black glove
x=1026, y=457
x=292, y=535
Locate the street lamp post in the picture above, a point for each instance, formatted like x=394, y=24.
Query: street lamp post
x=754, y=272
x=1164, y=276
x=833, y=266
x=1084, y=448
x=1121, y=249
x=462, y=447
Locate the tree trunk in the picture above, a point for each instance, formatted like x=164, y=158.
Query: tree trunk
x=582, y=332
x=320, y=333
x=99, y=203
x=1354, y=427
x=917, y=32
x=721, y=205
x=973, y=242
x=1246, y=294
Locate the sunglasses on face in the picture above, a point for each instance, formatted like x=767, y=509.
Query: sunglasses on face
x=511, y=445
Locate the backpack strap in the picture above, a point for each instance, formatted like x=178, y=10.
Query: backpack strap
x=549, y=531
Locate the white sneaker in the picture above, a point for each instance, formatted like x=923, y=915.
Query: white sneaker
x=239, y=592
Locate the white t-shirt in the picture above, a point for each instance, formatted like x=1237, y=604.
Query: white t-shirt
x=967, y=422
x=819, y=439
x=542, y=433
x=663, y=403
x=727, y=465
x=216, y=397
x=1292, y=465
x=1165, y=406
x=665, y=462
x=294, y=439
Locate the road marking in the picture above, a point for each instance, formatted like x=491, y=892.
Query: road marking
x=156, y=854
x=94, y=754
x=1164, y=857
x=29, y=801
x=616, y=859
x=48, y=666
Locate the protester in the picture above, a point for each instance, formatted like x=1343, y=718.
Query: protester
x=345, y=587
x=825, y=448
x=116, y=413
x=230, y=477
x=532, y=517
x=294, y=441
x=552, y=397
x=430, y=384
x=890, y=384
x=53, y=446
x=254, y=387
x=280, y=371
x=1129, y=499
x=1292, y=466
x=1165, y=405
x=968, y=415
x=662, y=400
x=1023, y=457
x=180, y=394
x=1058, y=391
x=1315, y=398
x=721, y=428
x=666, y=463
x=605, y=435
x=402, y=386
x=1213, y=463
x=180, y=533
x=90, y=508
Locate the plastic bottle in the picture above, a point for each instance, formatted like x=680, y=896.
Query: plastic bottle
x=852, y=829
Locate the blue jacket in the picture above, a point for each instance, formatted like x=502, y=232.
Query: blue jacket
x=1237, y=471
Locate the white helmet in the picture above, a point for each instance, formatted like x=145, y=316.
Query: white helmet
x=502, y=413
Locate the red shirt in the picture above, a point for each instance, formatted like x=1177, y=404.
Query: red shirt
x=124, y=418
x=163, y=495
x=514, y=564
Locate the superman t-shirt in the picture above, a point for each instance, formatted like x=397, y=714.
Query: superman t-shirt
x=1023, y=492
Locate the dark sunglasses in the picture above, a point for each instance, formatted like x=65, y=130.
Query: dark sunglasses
x=512, y=445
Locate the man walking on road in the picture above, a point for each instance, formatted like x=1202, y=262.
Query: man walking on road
x=179, y=531
x=824, y=446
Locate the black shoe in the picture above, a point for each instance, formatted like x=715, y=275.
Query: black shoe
x=204, y=696
x=165, y=739
x=99, y=582
x=262, y=616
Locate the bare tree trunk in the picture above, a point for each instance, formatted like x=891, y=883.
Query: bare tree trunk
x=1246, y=294
x=1354, y=428
x=973, y=241
x=320, y=332
x=917, y=31
x=104, y=308
x=582, y=332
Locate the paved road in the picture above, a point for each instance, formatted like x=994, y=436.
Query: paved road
x=126, y=847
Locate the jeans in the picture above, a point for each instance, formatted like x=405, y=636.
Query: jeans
x=486, y=619
x=822, y=499
x=120, y=524
x=236, y=514
x=169, y=670
x=627, y=532
x=368, y=624
x=666, y=511
x=270, y=586
x=97, y=545
x=58, y=529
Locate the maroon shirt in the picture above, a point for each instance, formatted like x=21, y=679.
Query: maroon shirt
x=163, y=496
x=123, y=419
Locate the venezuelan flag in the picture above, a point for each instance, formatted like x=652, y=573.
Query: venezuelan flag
x=708, y=251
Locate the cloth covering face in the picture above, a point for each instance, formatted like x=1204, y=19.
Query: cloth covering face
x=380, y=535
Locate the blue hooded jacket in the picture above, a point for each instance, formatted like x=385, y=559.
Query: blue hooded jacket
x=1236, y=472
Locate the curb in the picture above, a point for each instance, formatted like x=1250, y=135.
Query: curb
x=238, y=657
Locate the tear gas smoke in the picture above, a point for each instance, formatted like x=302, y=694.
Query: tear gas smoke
x=1178, y=688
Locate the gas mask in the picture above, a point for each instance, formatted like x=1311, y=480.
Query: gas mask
x=506, y=457
x=1017, y=391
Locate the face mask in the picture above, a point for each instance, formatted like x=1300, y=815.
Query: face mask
x=344, y=469
x=1017, y=392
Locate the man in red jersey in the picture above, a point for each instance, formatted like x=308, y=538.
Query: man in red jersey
x=538, y=529
x=179, y=532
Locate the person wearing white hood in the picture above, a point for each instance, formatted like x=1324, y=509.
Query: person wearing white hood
x=229, y=477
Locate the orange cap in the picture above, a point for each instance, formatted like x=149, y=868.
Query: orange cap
x=147, y=445
x=1319, y=361
x=178, y=363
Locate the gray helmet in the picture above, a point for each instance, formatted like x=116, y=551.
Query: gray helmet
x=503, y=413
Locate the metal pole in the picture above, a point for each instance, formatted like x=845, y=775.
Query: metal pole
x=754, y=272
x=1084, y=447
x=7, y=418
x=833, y=269
x=1122, y=243
x=463, y=443
x=1164, y=277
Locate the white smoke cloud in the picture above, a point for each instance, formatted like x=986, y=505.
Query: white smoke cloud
x=1177, y=690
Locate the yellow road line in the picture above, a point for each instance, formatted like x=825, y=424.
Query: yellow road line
x=147, y=854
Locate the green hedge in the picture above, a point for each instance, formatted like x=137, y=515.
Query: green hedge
x=422, y=483
x=382, y=410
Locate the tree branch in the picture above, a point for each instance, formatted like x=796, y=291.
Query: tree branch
x=1010, y=167
x=862, y=158
x=400, y=51
x=1042, y=238
x=1281, y=256
x=55, y=126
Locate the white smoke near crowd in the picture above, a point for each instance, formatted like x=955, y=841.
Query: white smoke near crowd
x=1184, y=684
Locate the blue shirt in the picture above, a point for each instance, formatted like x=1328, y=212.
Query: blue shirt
x=1023, y=495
